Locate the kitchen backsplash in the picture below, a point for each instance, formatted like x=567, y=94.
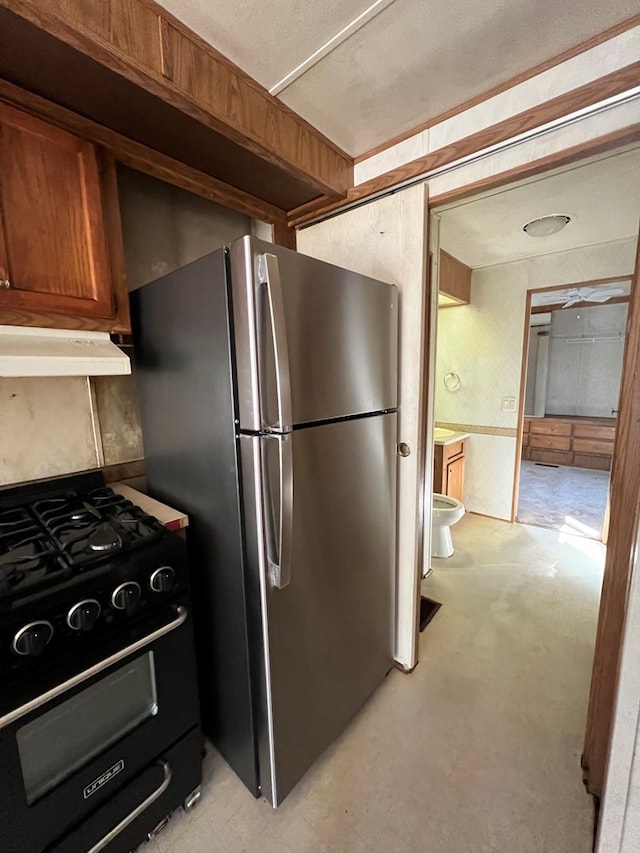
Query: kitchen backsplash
x=118, y=415
x=58, y=425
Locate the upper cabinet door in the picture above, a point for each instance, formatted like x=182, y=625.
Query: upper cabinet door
x=53, y=255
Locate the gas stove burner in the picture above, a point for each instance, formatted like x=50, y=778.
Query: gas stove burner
x=28, y=563
x=104, y=538
x=88, y=542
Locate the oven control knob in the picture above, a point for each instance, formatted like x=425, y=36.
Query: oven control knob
x=32, y=638
x=163, y=579
x=84, y=615
x=125, y=596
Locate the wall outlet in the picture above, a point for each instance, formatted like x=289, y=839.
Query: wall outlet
x=508, y=404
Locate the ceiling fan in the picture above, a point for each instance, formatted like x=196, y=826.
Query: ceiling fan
x=574, y=295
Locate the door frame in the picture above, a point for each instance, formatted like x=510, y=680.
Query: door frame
x=523, y=369
x=622, y=546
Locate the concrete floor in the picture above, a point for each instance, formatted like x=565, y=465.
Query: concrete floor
x=571, y=500
x=477, y=751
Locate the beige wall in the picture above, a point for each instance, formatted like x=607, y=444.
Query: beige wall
x=387, y=240
x=483, y=342
x=46, y=427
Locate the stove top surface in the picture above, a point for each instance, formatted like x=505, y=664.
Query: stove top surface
x=76, y=524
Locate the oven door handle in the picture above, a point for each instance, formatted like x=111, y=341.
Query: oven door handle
x=144, y=805
x=59, y=689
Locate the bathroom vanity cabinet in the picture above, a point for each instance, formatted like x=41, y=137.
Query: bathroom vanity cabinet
x=448, y=469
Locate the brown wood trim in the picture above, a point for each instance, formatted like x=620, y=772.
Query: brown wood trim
x=47, y=320
x=558, y=306
x=555, y=108
x=283, y=235
x=166, y=16
x=593, y=282
x=621, y=548
x=175, y=65
x=521, y=401
x=139, y=157
x=577, y=49
x=115, y=248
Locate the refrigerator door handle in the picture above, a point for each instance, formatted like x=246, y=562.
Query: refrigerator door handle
x=279, y=531
x=269, y=274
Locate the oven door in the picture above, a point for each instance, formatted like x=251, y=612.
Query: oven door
x=68, y=750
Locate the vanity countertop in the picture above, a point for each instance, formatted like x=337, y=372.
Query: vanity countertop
x=452, y=438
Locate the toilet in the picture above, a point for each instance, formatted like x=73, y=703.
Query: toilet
x=445, y=512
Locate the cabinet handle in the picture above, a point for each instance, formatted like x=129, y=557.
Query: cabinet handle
x=5, y=284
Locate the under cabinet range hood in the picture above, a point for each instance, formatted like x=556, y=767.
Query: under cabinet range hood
x=26, y=351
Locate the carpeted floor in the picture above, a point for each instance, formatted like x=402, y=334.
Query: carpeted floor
x=571, y=500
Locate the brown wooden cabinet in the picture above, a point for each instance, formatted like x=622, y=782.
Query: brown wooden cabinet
x=455, y=281
x=580, y=442
x=60, y=247
x=448, y=470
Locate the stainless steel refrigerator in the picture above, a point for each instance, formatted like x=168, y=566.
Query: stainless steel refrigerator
x=268, y=389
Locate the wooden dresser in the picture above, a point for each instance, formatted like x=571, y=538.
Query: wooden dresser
x=566, y=440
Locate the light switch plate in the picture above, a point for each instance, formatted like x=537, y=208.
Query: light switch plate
x=508, y=404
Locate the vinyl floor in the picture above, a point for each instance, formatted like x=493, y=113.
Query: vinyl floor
x=476, y=751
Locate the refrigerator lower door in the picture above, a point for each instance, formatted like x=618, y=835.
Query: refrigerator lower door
x=326, y=633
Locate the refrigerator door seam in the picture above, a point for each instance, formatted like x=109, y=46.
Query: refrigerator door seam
x=262, y=571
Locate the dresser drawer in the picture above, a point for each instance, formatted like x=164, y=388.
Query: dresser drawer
x=600, y=432
x=545, y=426
x=550, y=442
x=592, y=445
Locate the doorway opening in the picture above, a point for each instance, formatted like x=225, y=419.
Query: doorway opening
x=571, y=372
x=523, y=600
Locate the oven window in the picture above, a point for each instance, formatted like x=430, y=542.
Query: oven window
x=68, y=736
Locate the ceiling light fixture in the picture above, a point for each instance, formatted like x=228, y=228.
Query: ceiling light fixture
x=545, y=226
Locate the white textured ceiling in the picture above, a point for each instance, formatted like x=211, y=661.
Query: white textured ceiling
x=602, y=197
x=407, y=64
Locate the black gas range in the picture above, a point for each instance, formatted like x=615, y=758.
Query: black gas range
x=99, y=728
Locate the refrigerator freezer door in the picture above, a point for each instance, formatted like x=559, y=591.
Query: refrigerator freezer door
x=327, y=635
x=313, y=342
